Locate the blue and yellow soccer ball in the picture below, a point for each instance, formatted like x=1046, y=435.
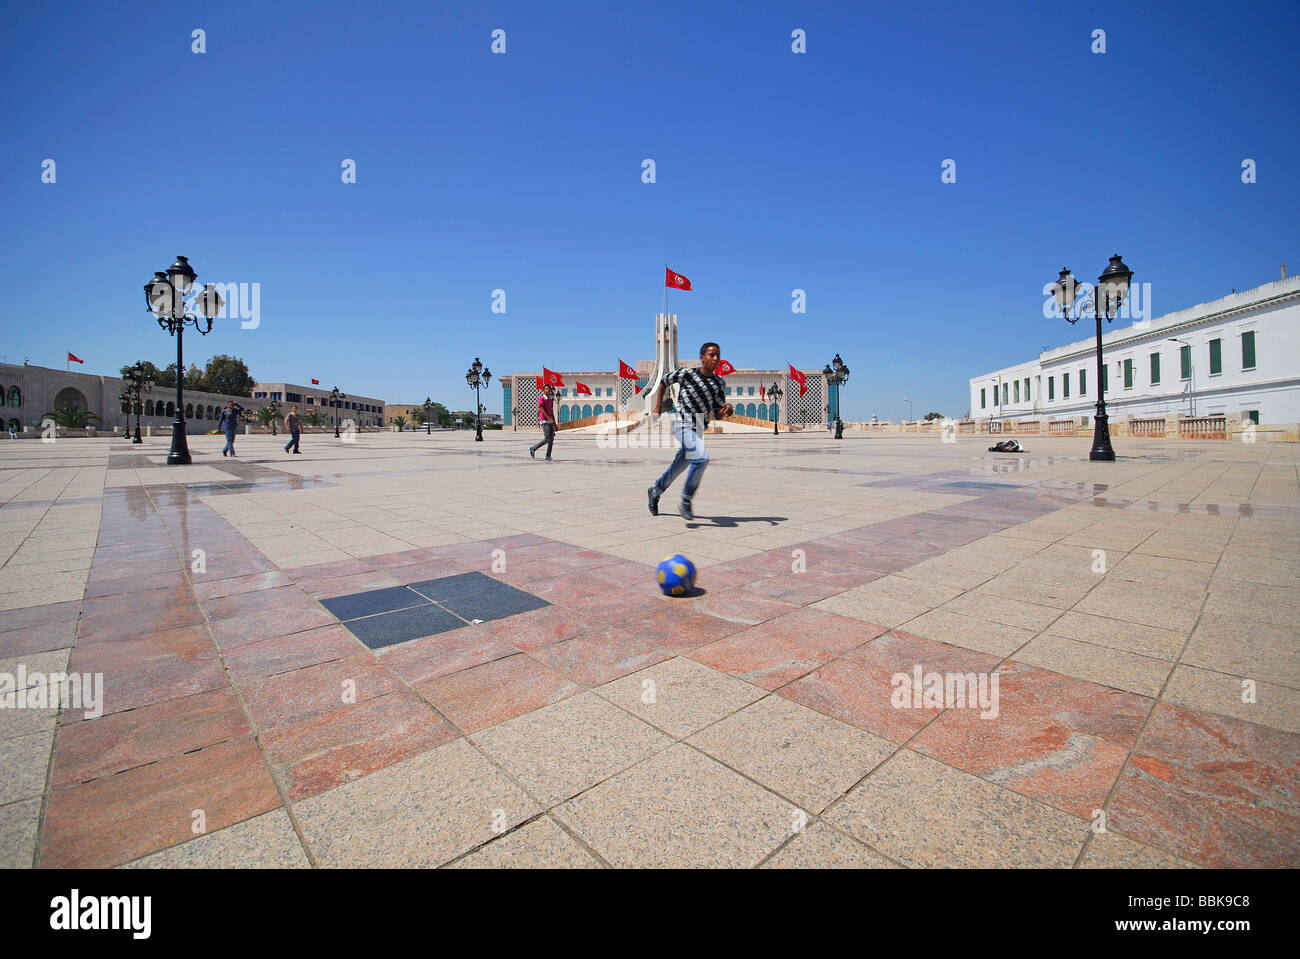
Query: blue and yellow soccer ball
x=676, y=575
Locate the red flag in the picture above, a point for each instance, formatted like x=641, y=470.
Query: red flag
x=761, y=394
x=638, y=389
x=315, y=382
x=552, y=378
x=627, y=372
x=540, y=384
x=584, y=389
x=724, y=368
x=74, y=359
x=799, y=378
x=676, y=280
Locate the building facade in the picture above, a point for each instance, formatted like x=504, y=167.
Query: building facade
x=1238, y=357
x=30, y=392
x=746, y=390
x=364, y=410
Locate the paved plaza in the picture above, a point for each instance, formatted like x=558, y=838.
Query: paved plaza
x=419, y=650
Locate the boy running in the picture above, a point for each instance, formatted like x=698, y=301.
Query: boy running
x=701, y=393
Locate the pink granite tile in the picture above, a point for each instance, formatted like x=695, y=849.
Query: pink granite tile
x=124, y=740
x=763, y=660
x=858, y=687
x=485, y=695
x=301, y=694
x=599, y=657
x=330, y=749
x=270, y=656
x=433, y=656
x=1058, y=739
x=113, y=820
x=1213, y=790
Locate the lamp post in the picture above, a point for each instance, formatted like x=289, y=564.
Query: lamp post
x=775, y=393
x=137, y=383
x=1191, y=376
x=274, y=407
x=909, y=408
x=428, y=411
x=1112, y=287
x=336, y=399
x=165, y=298
x=514, y=418
x=478, y=376
x=837, y=374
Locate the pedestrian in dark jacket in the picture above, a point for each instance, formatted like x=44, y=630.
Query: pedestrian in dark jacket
x=227, y=423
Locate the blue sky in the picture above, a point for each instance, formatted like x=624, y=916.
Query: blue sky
x=522, y=171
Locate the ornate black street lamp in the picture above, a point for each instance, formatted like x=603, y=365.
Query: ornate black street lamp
x=477, y=376
x=274, y=407
x=775, y=393
x=515, y=418
x=137, y=382
x=1112, y=287
x=165, y=298
x=837, y=374
x=428, y=411
x=336, y=399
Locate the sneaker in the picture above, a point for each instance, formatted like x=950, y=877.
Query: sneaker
x=548, y=459
x=686, y=510
x=223, y=452
x=532, y=452
x=654, y=501
x=297, y=452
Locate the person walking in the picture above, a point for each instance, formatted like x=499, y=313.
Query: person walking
x=293, y=423
x=701, y=393
x=546, y=416
x=227, y=423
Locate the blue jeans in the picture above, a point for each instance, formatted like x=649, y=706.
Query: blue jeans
x=230, y=441
x=690, y=450
x=293, y=441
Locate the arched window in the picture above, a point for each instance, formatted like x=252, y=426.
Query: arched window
x=750, y=410
x=171, y=408
x=148, y=407
x=564, y=414
x=189, y=411
x=762, y=411
x=609, y=407
x=586, y=411
x=126, y=407
x=212, y=412
x=15, y=396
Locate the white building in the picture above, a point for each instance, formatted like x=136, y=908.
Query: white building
x=1238, y=356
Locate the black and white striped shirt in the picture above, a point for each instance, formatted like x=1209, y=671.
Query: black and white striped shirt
x=698, y=397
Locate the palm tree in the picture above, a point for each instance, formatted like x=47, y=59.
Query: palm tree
x=73, y=418
x=265, y=416
x=314, y=418
x=399, y=421
x=418, y=417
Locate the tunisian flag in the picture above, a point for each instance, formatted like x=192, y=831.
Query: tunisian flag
x=315, y=382
x=552, y=378
x=762, y=395
x=627, y=372
x=676, y=280
x=75, y=359
x=799, y=378
x=584, y=389
x=724, y=368
x=540, y=384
